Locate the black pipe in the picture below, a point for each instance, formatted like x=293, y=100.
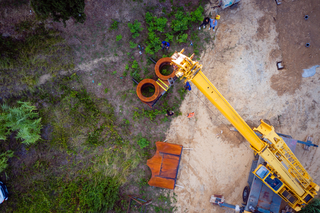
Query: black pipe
x=151, y=59
x=134, y=80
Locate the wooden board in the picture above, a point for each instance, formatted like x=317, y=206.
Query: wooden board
x=164, y=165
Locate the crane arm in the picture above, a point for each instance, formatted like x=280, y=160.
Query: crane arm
x=284, y=173
x=215, y=97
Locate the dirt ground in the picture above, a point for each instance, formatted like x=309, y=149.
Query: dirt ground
x=250, y=39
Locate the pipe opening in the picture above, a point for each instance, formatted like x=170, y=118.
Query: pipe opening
x=148, y=90
x=166, y=69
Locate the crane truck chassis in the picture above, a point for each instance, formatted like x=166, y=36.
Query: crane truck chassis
x=282, y=173
x=257, y=197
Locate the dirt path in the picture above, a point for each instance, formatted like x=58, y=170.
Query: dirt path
x=240, y=65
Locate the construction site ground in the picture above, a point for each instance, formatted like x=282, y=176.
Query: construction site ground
x=239, y=59
x=241, y=62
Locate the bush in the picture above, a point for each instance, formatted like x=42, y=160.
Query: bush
x=153, y=43
x=4, y=159
x=23, y=119
x=181, y=22
x=142, y=142
x=87, y=195
x=169, y=37
x=196, y=16
x=155, y=24
x=119, y=37
x=312, y=207
x=60, y=9
x=182, y=38
x=135, y=72
x=114, y=25
x=135, y=28
x=133, y=45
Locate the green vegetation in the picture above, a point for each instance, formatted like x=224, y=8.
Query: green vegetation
x=166, y=70
x=4, y=157
x=135, y=28
x=143, y=142
x=114, y=25
x=119, y=37
x=133, y=45
x=60, y=10
x=179, y=25
x=22, y=62
x=22, y=119
x=86, y=193
x=312, y=207
x=91, y=156
x=135, y=70
x=94, y=195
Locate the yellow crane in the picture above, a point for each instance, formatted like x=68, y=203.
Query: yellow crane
x=283, y=173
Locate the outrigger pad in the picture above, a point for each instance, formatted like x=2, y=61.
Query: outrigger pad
x=164, y=165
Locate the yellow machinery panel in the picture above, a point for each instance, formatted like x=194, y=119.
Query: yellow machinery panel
x=293, y=183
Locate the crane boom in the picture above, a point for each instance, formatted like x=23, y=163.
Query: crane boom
x=283, y=173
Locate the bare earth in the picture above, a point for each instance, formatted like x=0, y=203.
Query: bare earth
x=241, y=63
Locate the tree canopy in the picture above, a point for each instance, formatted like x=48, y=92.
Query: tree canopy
x=312, y=207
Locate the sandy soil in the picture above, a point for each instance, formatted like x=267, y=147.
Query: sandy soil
x=241, y=64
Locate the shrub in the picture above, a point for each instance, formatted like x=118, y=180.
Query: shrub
x=153, y=43
x=196, y=16
x=181, y=22
x=143, y=142
x=312, y=207
x=135, y=64
x=4, y=159
x=169, y=37
x=133, y=45
x=23, y=119
x=155, y=24
x=119, y=37
x=114, y=25
x=135, y=28
x=89, y=195
x=135, y=73
x=60, y=9
x=182, y=38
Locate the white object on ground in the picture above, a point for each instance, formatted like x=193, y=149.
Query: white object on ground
x=228, y=3
x=309, y=72
x=179, y=186
x=188, y=148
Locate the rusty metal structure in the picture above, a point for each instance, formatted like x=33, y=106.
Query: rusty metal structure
x=161, y=85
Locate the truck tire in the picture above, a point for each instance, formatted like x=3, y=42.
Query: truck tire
x=245, y=194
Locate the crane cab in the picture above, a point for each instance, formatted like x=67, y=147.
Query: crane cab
x=268, y=178
x=277, y=186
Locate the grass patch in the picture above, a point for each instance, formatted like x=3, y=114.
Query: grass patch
x=41, y=52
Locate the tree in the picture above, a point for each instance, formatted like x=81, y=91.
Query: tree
x=312, y=207
x=60, y=9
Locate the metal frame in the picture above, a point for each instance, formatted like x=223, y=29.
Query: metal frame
x=143, y=203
